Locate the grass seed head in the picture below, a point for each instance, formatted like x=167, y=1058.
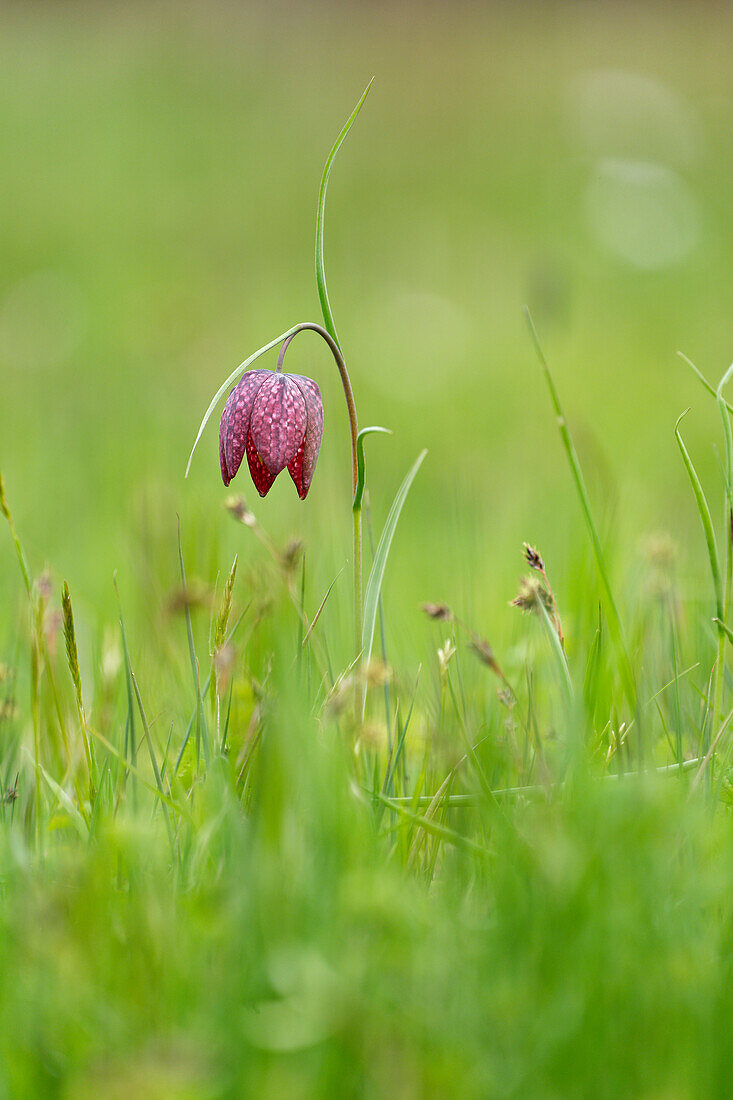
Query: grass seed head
x=72, y=654
x=485, y=653
x=237, y=507
x=440, y=612
x=225, y=609
x=195, y=594
x=10, y=794
x=445, y=653
x=3, y=500
x=291, y=555
x=532, y=593
x=533, y=558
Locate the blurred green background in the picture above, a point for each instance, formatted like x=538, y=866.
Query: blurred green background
x=158, y=185
x=160, y=166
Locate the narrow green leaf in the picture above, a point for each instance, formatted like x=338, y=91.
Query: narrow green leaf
x=399, y=743
x=361, y=462
x=207, y=685
x=130, y=747
x=614, y=619
x=202, y=728
x=321, y=606
x=153, y=761
x=708, y=385
x=727, y=434
x=321, y=217
x=374, y=584
x=22, y=560
x=705, y=517
x=559, y=654
x=441, y=832
x=61, y=796
x=725, y=628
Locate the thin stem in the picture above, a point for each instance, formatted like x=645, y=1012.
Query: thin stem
x=358, y=600
x=283, y=349
x=345, y=382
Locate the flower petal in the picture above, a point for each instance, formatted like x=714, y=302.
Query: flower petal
x=278, y=421
x=302, y=467
x=261, y=476
x=234, y=426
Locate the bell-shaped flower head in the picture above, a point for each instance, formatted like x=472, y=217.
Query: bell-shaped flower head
x=277, y=420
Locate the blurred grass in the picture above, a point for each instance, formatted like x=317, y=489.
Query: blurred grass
x=159, y=181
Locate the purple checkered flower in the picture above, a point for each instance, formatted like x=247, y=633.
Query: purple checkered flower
x=277, y=420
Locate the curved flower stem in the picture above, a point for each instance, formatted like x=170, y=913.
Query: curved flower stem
x=354, y=429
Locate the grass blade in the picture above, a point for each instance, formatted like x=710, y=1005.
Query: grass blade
x=22, y=561
x=321, y=217
x=317, y=615
x=374, y=584
x=558, y=653
x=361, y=461
x=202, y=728
x=441, y=832
x=725, y=628
x=612, y=615
x=705, y=517
x=62, y=797
x=153, y=761
x=708, y=385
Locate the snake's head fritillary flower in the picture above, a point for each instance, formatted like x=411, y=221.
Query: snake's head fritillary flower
x=277, y=420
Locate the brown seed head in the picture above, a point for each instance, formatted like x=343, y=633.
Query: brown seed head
x=438, y=611
x=292, y=554
x=532, y=593
x=533, y=558
x=3, y=499
x=485, y=653
x=237, y=507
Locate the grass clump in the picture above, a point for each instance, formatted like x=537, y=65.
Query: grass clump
x=502, y=880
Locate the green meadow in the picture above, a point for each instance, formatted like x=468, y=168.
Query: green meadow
x=241, y=852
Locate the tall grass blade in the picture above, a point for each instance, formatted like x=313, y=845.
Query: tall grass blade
x=62, y=797
x=705, y=518
x=612, y=615
x=130, y=748
x=441, y=832
x=558, y=653
x=708, y=385
x=202, y=729
x=376, y=576
x=153, y=760
x=321, y=218
x=317, y=615
x=22, y=562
